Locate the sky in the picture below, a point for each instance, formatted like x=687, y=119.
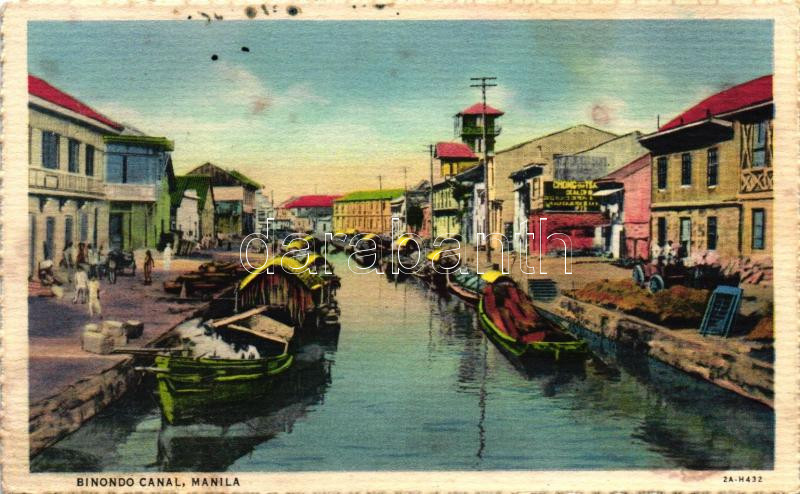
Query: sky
x=327, y=107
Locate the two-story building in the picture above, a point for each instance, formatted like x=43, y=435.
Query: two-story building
x=624, y=198
x=712, y=174
x=139, y=179
x=408, y=209
x=193, y=202
x=454, y=158
x=66, y=157
x=234, y=199
x=365, y=211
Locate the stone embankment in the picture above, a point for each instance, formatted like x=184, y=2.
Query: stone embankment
x=733, y=364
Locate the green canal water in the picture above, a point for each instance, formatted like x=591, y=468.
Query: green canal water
x=412, y=384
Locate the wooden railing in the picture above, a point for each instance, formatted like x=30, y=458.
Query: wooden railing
x=63, y=181
x=756, y=180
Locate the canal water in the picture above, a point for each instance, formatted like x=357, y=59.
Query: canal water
x=412, y=384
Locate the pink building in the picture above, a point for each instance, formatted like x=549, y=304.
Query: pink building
x=624, y=196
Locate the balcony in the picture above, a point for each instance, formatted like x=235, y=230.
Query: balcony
x=131, y=192
x=63, y=183
x=755, y=180
x=493, y=130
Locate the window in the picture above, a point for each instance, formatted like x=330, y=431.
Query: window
x=759, y=221
x=537, y=186
x=72, y=155
x=686, y=169
x=662, y=231
x=711, y=233
x=89, y=168
x=760, y=145
x=50, y=147
x=662, y=173
x=124, y=169
x=712, y=173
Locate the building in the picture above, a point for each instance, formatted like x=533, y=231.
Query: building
x=306, y=210
x=523, y=183
x=712, y=184
x=454, y=158
x=365, y=211
x=265, y=209
x=600, y=160
x=470, y=192
x=198, y=186
x=283, y=217
x=66, y=157
x=446, y=211
x=234, y=199
x=624, y=198
x=139, y=179
x=187, y=216
x=540, y=151
x=407, y=209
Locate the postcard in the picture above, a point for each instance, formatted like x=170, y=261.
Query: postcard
x=399, y=247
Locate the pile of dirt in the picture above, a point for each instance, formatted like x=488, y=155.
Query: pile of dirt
x=677, y=306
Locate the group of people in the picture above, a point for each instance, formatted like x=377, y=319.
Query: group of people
x=84, y=267
x=668, y=253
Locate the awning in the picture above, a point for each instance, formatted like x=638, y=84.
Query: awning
x=291, y=267
x=607, y=192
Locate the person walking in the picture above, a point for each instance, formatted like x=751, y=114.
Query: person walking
x=149, y=263
x=81, y=286
x=94, y=297
x=93, y=259
x=167, y=258
x=68, y=260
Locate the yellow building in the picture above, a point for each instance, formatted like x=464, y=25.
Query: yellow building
x=365, y=211
x=712, y=174
x=66, y=171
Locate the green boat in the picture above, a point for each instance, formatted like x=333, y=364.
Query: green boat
x=189, y=387
x=196, y=381
x=510, y=320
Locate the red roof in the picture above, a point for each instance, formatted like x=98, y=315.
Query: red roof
x=477, y=109
x=42, y=89
x=316, y=201
x=627, y=170
x=731, y=99
x=454, y=150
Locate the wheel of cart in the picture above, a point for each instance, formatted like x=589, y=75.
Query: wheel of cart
x=638, y=275
x=656, y=283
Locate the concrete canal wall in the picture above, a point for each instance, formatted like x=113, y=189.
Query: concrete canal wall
x=64, y=412
x=728, y=363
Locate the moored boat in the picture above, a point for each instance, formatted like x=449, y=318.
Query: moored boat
x=222, y=363
x=511, y=321
x=468, y=285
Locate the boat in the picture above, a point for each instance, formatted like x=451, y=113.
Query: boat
x=296, y=294
x=368, y=250
x=228, y=362
x=468, y=285
x=436, y=267
x=510, y=320
x=306, y=242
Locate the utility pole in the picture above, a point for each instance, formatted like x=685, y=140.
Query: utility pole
x=430, y=195
x=380, y=199
x=405, y=198
x=483, y=84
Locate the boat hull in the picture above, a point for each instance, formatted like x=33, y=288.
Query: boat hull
x=189, y=387
x=535, y=352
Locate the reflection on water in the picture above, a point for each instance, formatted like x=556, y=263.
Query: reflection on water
x=414, y=384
